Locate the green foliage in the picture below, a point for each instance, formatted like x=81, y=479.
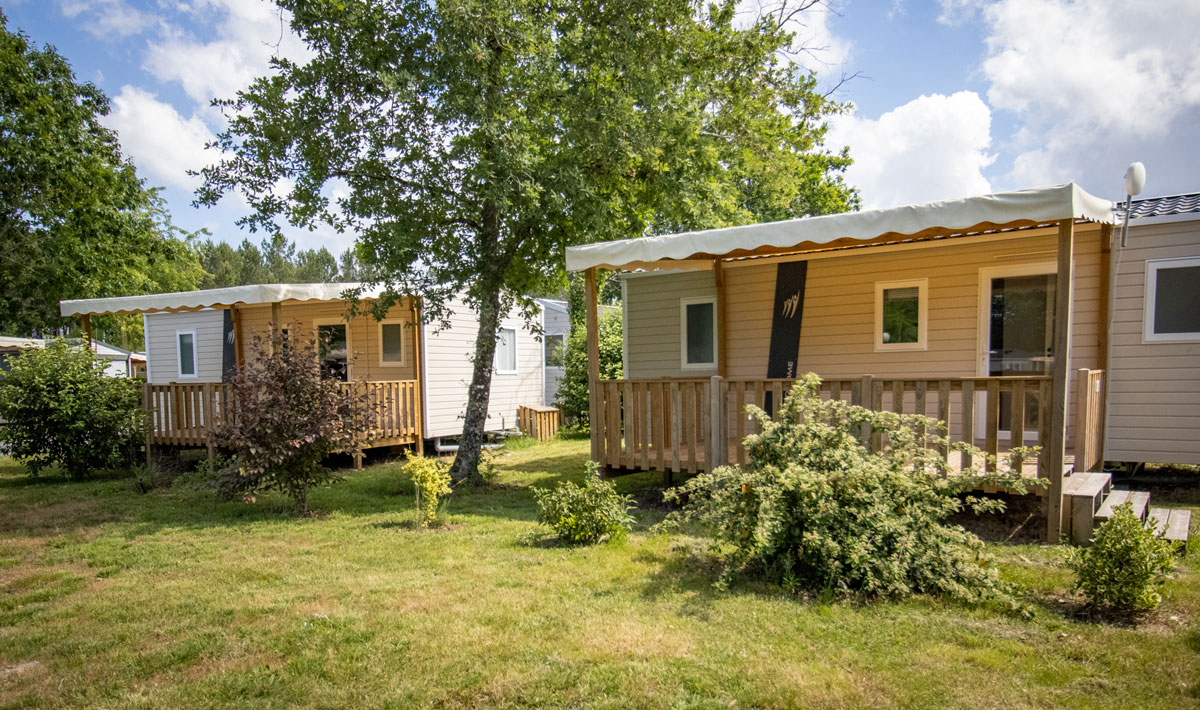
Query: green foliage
x=75, y=220
x=1125, y=566
x=275, y=260
x=59, y=408
x=285, y=414
x=475, y=141
x=573, y=390
x=431, y=478
x=816, y=511
x=585, y=514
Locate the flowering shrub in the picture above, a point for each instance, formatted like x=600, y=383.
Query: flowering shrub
x=1125, y=565
x=815, y=510
x=585, y=514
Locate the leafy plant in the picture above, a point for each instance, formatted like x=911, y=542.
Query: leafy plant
x=573, y=389
x=815, y=510
x=1124, y=567
x=58, y=407
x=431, y=478
x=284, y=415
x=585, y=514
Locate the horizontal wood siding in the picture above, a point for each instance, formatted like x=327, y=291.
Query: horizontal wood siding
x=1153, y=388
x=447, y=371
x=162, y=350
x=554, y=322
x=653, y=330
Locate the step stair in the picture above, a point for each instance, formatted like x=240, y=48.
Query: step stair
x=1140, y=500
x=1171, y=524
x=1083, y=494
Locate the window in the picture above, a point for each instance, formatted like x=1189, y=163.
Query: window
x=333, y=349
x=1172, y=311
x=901, y=315
x=391, y=342
x=185, y=341
x=506, y=352
x=698, y=346
x=555, y=353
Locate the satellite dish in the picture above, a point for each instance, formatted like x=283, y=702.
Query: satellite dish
x=1135, y=179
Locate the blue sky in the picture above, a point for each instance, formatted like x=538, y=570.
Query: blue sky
x=951, y=97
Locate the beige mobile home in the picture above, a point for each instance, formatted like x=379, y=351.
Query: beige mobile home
x=1154, y=356
x=417, y=375
x=987, y=312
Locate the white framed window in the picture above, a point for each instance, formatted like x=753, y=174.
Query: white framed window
x=901, y=315
x=333, y=346
x=555, y=350
x=393, y=347
x=698, y=333
x=505, y=362
x=1172, y=308
x=185, y=351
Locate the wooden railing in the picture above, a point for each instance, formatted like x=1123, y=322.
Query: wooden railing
x=668, y=424
x=1089, y=420
x=183, y=414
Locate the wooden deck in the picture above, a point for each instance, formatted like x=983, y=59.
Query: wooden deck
x=184, y=414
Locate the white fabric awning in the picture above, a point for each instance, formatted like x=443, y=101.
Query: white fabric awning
x=1020, y=208
x=210, y=298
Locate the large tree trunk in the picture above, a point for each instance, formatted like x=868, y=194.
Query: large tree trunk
x=470, y=444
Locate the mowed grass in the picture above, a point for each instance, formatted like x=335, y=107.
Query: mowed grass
x=110, y=599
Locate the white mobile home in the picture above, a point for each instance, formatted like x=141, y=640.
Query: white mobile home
x=195, y=338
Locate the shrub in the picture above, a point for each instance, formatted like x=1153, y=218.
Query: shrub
x=585, y=514
x=285, y=414
x=817, y=511
x=431, y=478
x=1125, y=565
x=60, y=408
x=573, y=390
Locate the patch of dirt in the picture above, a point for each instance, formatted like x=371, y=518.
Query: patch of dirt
x=19, y=668
x=1166, y=483
x=1021, y=522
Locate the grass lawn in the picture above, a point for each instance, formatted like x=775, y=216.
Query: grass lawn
x=110, y=599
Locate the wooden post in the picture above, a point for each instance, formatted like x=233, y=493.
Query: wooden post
x=1055, y=448
x=418, y=354
x=1106, y=236
x=722, y=335
x=718, y=438
x=593, y=355
x=85, y=322
x=239, y=354
x=149, y=419
x=864, y=400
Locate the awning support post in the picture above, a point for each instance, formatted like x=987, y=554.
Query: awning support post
x=593, y=357
x=1054, y=450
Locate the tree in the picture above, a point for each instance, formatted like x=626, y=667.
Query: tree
x=286, y=414
x=75, y=220
x=473, y=141
x=58, y=408
x=275, y=260
x=573, y=391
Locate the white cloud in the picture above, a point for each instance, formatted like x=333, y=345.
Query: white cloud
x=815, y=46
x=247, y=34
x=956, y=12
x=107, y=19
x=161, y=142
x=1085, y=79
x=932, y=148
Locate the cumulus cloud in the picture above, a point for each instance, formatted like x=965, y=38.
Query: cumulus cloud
x=161, y=141
x=932, y=148
x=107, y=19
x=1095, y=85
x=247, y=34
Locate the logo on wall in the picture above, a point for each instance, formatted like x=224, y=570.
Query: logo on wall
x=790, y=279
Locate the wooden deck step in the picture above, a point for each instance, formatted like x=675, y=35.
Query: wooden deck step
x=1083, y=494
x=1170, y=523
x=1138, y=499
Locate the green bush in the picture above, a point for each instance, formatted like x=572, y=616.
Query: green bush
x=585, y=514
x=60, y=408
x=816, y=511
x=1125, y=565
x=431, y=478
x=573, y=390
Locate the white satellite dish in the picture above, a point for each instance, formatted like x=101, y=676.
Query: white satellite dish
x=1135, y=180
